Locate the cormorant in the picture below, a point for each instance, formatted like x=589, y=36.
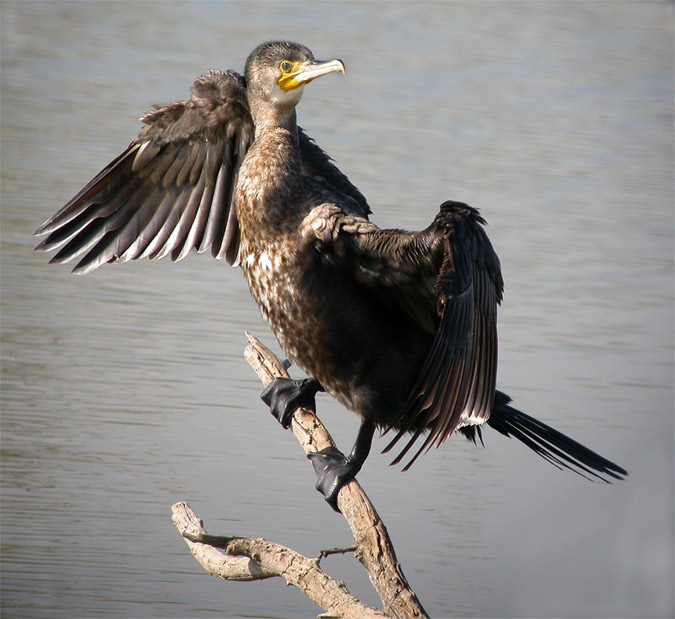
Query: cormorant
x=400, y=327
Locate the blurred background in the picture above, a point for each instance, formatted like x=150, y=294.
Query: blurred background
x=126, y=391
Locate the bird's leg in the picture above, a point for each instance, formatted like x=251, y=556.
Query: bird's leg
x=334, y=470
x=285, y=395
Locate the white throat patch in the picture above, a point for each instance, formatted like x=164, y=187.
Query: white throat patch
x=291, y=97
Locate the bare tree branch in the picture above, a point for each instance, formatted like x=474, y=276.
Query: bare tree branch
x=373, y=546
x=246, y=559
x=256, y=559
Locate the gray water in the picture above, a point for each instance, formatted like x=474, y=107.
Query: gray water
x=125, y=391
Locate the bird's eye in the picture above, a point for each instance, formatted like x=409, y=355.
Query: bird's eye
x=285, y=66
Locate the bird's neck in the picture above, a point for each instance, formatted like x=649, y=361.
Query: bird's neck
x=269, y=201
x=276, y=148
x=274, y=117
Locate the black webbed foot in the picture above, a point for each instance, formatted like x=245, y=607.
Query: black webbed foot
x=284, y=396
x=333, y=470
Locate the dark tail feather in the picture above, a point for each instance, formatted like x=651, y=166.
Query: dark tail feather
x=554, y=446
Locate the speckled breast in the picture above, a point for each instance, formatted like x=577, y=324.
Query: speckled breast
x=274, y=277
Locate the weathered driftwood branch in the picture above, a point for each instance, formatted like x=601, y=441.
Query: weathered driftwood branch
x=255, y=559
x=373, y=546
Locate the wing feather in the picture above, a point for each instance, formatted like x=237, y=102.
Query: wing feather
x=447, y=275
x=170, y=191
x=182, y=229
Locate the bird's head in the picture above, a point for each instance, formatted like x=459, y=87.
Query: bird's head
x=277, y=72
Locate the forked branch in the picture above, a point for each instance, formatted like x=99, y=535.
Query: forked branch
x=254, y=559
x=244, y=558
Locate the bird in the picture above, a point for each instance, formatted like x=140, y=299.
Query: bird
x=400, y=327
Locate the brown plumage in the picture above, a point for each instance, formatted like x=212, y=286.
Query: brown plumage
x=399, y=326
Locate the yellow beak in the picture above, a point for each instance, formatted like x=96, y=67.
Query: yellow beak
x=304, y=72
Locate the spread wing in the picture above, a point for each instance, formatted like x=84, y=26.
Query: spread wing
x=171, y=190
x=447, y=278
